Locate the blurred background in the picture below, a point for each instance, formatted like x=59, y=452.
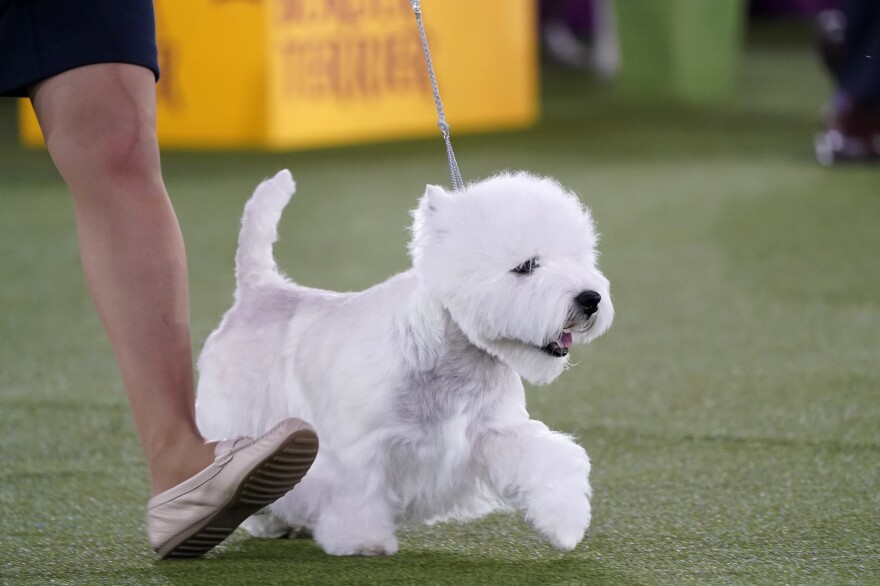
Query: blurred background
x=305, y=74
x=732, y=411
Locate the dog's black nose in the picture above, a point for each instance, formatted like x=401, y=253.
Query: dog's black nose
x=588, y=301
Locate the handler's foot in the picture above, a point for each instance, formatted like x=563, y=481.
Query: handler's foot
x=246, y=475
x=852, y=135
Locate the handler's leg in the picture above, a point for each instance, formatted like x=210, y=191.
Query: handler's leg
x=99, y=122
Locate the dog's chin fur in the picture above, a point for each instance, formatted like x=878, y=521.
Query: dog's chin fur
x=529, y=361
x=414, y=384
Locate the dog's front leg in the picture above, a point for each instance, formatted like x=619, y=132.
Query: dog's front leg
x=356, y=521
x=545, y=475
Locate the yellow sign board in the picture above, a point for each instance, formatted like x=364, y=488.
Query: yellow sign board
x=290, y=74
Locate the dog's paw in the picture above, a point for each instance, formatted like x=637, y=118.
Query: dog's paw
x=266, y=526
x=378, y=546
x=565, y=538
x=563, y=523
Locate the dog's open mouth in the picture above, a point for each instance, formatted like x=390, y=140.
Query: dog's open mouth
x=559, y=347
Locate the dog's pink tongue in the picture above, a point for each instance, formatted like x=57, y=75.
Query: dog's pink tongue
x=564, y=340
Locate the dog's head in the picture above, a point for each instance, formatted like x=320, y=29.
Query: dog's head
x=513, y=261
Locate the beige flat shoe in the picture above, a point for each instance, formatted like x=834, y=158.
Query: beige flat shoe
x=246, y=475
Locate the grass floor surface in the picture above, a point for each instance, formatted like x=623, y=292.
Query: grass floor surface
x=732, y=413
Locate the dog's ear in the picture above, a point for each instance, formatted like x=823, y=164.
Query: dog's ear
x=426, y=226
x=435, y=198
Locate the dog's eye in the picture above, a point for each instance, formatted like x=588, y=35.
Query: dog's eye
x=527, y=267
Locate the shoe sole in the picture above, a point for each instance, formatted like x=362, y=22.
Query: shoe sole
x=274, y=477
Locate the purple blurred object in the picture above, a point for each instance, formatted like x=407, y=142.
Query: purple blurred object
x=803, y=8
x=576, y=14
x=579, y=14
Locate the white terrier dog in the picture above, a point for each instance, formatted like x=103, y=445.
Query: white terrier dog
x=414, y=384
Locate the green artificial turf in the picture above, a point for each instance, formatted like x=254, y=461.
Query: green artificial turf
x=732, y=412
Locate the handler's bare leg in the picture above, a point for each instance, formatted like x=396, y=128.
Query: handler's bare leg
x=99, y=122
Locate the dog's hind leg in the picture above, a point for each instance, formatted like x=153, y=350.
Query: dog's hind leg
x=356, y=524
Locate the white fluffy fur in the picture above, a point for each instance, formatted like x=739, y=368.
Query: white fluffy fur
x=413, y=385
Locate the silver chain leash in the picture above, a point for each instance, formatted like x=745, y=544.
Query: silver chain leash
x=457, y=183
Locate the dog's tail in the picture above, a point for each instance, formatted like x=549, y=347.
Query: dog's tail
x=254, y=262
